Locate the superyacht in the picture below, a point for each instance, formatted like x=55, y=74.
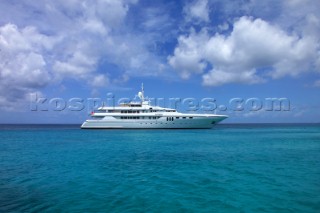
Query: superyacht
x=142, y=115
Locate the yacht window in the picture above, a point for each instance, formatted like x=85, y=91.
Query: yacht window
x=177, y=117
x=191, y=117
x=97, y=117
x=184, y=117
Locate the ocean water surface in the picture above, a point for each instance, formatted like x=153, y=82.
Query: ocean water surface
x=230, y=168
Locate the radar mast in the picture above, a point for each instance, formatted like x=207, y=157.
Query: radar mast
x=142, y=90
x=141, y=93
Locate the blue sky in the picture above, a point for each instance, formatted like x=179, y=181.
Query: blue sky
x=200, y=49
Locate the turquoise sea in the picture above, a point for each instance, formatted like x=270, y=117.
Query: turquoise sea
x=230, y=168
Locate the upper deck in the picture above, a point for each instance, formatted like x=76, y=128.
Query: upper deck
x=129, y=108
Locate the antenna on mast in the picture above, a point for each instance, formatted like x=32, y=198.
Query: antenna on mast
x=142, y=90
x=141, y=94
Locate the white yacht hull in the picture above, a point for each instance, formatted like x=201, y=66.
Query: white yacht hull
x=195, y=123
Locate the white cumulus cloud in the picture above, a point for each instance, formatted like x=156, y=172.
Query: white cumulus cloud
x=44, y=43
x=254, y=51
x=188, y=56
x=100, y=80
x=22, y=66
x=197, y=10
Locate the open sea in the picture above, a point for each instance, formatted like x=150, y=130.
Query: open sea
x=230, y=168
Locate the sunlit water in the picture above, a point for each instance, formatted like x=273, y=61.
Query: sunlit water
x=231, y=168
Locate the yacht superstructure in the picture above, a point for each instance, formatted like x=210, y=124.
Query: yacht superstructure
x=142, y=115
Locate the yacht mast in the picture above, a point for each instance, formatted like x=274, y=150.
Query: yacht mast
x=141, y=94
x=142, y=90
